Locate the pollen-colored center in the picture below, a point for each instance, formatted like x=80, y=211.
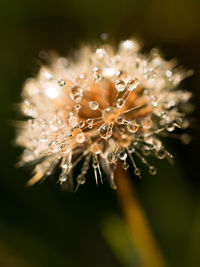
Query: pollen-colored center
x=110, y=115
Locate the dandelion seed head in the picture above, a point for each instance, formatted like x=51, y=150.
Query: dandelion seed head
x=107, y=106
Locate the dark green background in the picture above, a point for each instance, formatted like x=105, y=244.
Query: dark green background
x=40, y=226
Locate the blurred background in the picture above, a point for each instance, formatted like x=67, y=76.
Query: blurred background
x=40, y=226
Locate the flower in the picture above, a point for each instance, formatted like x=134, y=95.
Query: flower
x=102, y=107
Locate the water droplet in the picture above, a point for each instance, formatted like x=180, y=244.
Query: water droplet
x=170, y=127
x=120, y=120
x=100, y=53
x=131, y=149
x=53, y=146
x=152, y=170
x=127, y=45
x=62, y=179
x=111, y=157
x=80, y=138
x=105, y=131
x=97, y=74
x=81, y=124
x=61, y=83
x=120, y=103
x=93, y=105
x=82, y=76
x=77, y=107
x=168, y=73
x=163, y=115
x=95, y=164
x=122, y=155
x=73, y=121
x=132, y=84
x=76, y=93
x=90, y=123
x=137, y=171
x=125, y=165
x=120, y=85
x=132, y=127
x=80, y=179
x=65, y=148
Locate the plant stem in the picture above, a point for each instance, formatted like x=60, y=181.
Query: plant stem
x=147, y=247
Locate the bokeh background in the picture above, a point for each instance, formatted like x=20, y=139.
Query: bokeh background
x=41, y=226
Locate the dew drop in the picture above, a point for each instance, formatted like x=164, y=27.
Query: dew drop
x=90, y=123
x=97, y=74
x=137, y=171
x=120, y=103
x=120, y=85
x=170, y=127
x=93, y=105
x=120, y=120
x=122, y=155
x=132, y=127
x=110, y=157
x=65, y=148
x=81, y=124
x=77, y=107
x=105, y=131
x=76, y=93
x=131, y=149
x=127, y=45
x=61, y=83
x=80, y=179
x=100, y=53
x=62, y=179
x=125, y=165
x=152, y=170
x=163, y=115
x=53, y=146
x=132, y=84
x=95, y=164
x=80, y=138
x=73, y=121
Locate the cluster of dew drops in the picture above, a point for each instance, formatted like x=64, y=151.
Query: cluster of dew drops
x=110, y=137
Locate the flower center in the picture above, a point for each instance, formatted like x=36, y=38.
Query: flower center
x=110, y=114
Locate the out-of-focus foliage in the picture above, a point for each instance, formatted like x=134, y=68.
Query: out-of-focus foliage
x=42, y=226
